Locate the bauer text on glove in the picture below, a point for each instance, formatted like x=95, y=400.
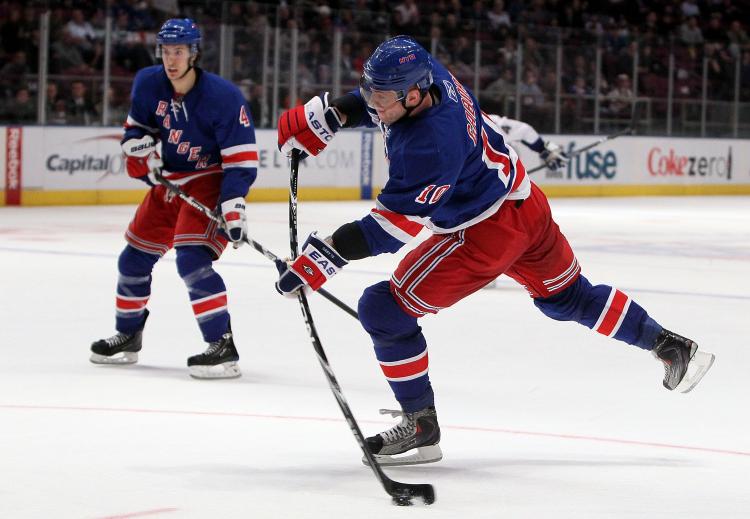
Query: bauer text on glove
x=141, y=158
x=318, y=263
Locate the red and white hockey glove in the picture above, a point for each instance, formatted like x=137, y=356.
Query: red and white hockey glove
x=141, y=158
x=318, y=263
x=308, y=128
x=235, y=220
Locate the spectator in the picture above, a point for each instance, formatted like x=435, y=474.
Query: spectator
x=80, y=109
x=690, y=8
x=495, y=94
x=14, y=72
x=406, y=15
x=531, y=95
x=580, y=87
x=716, y=31
x=11, y=31
x=497, y=16
x=66, y=56
x=57, y=113
x=690, y=33
x=81, y=32
x=22, y=108
x=621, y=97
x=737, y=38
x=53, y=96
x=129, y=47
x=118, y=107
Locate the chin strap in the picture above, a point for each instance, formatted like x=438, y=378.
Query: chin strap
x=410, y=109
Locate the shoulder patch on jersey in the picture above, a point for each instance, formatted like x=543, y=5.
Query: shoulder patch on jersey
x=450, y=90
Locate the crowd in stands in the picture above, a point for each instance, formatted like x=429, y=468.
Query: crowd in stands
x=633, y=35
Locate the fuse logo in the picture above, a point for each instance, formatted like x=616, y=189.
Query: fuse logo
x=592, y=164
x=670, y=163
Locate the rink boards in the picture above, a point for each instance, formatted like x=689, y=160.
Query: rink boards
x=81, y=165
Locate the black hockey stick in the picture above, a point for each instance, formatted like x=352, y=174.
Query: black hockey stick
x=192, y=202
x=402, y=493
x=627, y=131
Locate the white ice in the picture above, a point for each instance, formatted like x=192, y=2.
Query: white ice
x=540, y=419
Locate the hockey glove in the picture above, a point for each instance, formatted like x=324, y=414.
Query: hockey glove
x=308, y=128
x=141, y=158
x=317, y=264
x=554, y=157
x=235, y=221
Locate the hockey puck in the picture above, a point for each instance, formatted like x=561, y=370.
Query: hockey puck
x=402, y=500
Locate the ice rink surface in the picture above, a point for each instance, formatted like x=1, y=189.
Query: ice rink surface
x=540, y=419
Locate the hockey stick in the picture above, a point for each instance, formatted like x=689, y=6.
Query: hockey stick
x=627, y=131
x=402, y=493
x=192, y=202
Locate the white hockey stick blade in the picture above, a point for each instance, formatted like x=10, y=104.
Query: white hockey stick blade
x=697, y=368
x=225, y=370
x=428, y=454
x=124, y=357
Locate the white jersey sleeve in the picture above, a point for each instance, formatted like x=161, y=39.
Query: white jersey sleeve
x=514, y=131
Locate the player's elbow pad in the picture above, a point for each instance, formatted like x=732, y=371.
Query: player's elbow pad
x=350, y=242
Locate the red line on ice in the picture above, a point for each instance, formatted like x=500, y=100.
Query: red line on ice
x=325, y=419
x=141, y=514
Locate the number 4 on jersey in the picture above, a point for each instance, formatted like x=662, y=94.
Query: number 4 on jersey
x=244, y=119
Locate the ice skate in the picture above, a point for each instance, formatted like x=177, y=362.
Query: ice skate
x=218, y=361
x=121, y=348
x=414, y=441
x=684, y=365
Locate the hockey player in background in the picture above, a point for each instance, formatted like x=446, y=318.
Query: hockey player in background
x=514, y=131
x=451, y=171
x=208, y=147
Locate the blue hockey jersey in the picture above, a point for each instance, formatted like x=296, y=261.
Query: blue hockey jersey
x=208, y=131
x=449, y=168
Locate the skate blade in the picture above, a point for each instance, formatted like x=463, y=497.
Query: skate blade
x=697, y=367
x=125, y=357
x=428, y=454
x=225, y=370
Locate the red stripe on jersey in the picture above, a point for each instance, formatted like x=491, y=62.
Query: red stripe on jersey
x=494, y=155
x=407, y=369
x=183, y=175
x=520, y=175
x=210, y=304
x=613, y=313
x=400, y=221
x=241, y=156
x=129, y=304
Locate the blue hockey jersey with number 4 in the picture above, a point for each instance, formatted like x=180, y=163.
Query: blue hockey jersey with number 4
x=208, y=131
x=449, y=168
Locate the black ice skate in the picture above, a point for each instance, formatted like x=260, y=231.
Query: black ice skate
x=684, y=365
x=121, y=348
x=218, y=361
x=418, y=430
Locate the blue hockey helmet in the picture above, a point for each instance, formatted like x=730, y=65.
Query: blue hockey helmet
x=397, y=64
x=176, y=31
